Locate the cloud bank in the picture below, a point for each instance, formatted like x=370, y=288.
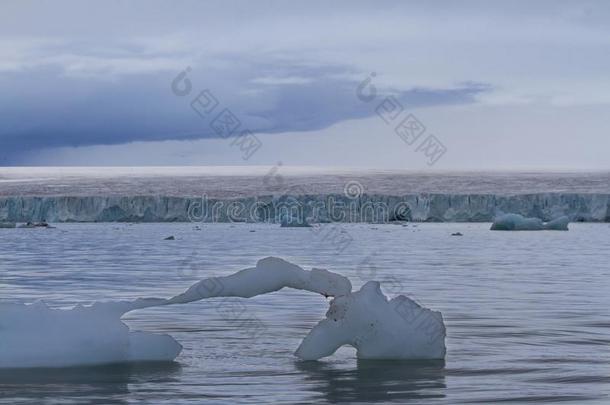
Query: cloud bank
x=77, y=75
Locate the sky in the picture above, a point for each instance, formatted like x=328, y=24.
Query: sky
x=435, y=85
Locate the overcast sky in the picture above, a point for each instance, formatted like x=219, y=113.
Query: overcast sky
x=500, y=85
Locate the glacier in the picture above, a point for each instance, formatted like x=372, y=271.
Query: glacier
x=312, y=208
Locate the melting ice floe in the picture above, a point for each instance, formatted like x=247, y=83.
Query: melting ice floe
x=377, y=327
x=516, y=222
x=38, y=336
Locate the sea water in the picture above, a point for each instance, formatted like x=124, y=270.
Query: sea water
x=527, y=313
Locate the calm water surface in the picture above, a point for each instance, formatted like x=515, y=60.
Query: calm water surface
x=527, y=313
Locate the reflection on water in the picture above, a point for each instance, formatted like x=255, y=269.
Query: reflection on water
x=97, y=384
x=376, y=381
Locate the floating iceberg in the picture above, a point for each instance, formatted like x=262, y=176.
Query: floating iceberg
x=516, y=222
x=39, y=336
x=377, y=327
x=558, y=224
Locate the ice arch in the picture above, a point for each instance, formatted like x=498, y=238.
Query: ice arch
x=377, y=327
x=39, y=336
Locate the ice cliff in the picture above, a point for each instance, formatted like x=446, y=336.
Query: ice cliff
x=307, y=208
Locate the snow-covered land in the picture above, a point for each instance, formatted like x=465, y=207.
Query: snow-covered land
x=39, y=336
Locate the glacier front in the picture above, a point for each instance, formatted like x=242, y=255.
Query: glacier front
x=304, y=195
x=307, y=208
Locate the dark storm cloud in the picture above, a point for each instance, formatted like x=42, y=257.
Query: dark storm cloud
x=76, y=73
x=48, y=109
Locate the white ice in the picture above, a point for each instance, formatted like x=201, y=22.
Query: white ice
x=270, y=274
x=516, y=222
x=39, y=336
x=377, y=327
